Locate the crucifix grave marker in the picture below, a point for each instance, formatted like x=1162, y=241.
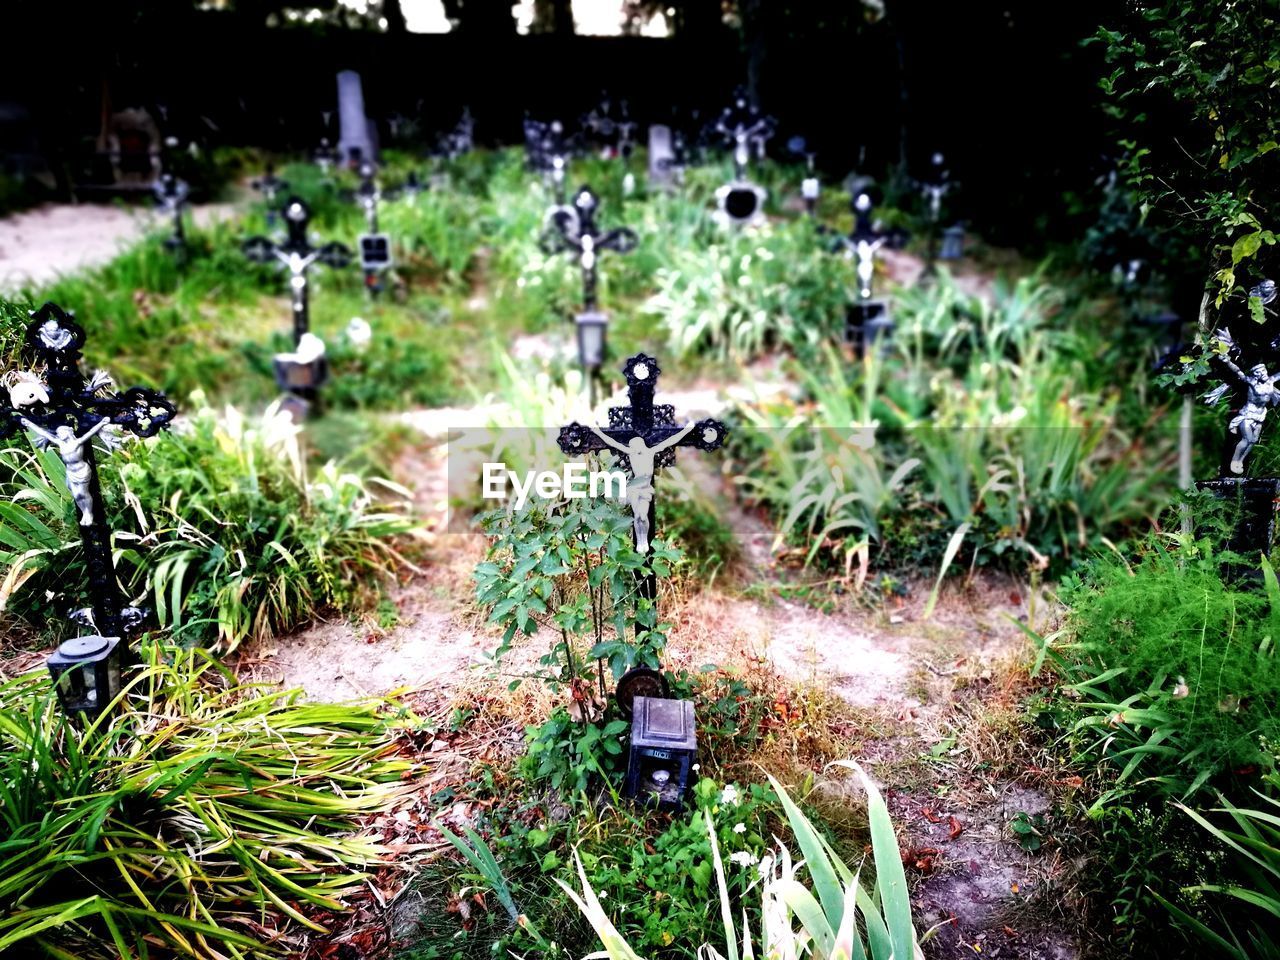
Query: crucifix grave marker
x=573, y=228
x=302, y=372
x=171, y=193
x=867, y=320
x=270, y=186
x=65, y=411
x=644, y=437
x=741, y=124
x=375, y=247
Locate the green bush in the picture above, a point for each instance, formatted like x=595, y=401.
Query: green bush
x=220, y=527
x=1171, y=668
x=982, y=427
x=1194, y=90
x=1168, y=680
x=174, y=823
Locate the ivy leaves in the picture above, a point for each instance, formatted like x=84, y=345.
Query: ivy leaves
x=1197, y=88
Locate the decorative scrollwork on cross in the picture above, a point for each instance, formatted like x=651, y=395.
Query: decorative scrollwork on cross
x=64, y=411
x=298, y=255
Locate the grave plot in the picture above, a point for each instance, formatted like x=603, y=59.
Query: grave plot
x=466, y=551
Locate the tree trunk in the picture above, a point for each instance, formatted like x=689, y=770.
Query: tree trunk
x=553, y=17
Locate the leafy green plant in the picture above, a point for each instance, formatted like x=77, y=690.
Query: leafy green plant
x=1194, y=90
x=826, y=906
x=221, y=528
x=1029, y=830
x=1170, y=670
x=1247, y=908
x=203, y=818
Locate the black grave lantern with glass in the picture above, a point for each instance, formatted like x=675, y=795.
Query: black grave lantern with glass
x=301, y=377
x=952, y=243
x=86, y=673
x=664, y=745
x=868, y=326
x=592, y=328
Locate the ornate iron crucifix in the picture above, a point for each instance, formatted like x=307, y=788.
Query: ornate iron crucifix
x=742, y=124
x=644, y=437
x=574, y=228
x=171, y=193
x=298, y=255
x=64, y=411
x=862, y=241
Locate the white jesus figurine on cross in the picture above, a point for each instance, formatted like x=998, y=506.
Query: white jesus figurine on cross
x=641, y=456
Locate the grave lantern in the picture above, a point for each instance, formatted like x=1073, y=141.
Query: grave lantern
x=592, y=328
x=952, y=243
x=868, y=324
x=664, y=746
x=86, y=673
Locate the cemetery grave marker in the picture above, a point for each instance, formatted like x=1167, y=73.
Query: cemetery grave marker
x=355, y=141
x=270, y=186
x=64, y=411
x=810, y=186
x=459, y=140
x=741, y=202
x=868, y=319
x=573, y=228
x=301, y=373
x=171, y=193
x=662, y=157
x=1244, y=350
x=375, y=247
x=644, y=438
x=325, y=156
x=935, y=189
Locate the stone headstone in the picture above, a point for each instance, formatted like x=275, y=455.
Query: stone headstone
x=661, y=156
x=352, y=122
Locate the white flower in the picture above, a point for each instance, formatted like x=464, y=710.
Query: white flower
x=730, y=795
x=697, y=767
x=743, y=858
x=739, y=828
x=602, y=894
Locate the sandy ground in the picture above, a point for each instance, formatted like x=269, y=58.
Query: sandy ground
x=886, y=660
x=39, y=245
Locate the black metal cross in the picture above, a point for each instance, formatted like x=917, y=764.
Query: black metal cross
x=64, y=410
x=574, y=228
x=862, y=241
x=298, y=255
x=325, y=156
x=171, y=193
x=741, y=123
x=642, y=430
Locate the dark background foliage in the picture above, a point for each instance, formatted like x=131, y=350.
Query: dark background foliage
x=1004, y=88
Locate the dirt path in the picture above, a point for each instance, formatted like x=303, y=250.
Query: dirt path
x=930, y=685
x=39, y=245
